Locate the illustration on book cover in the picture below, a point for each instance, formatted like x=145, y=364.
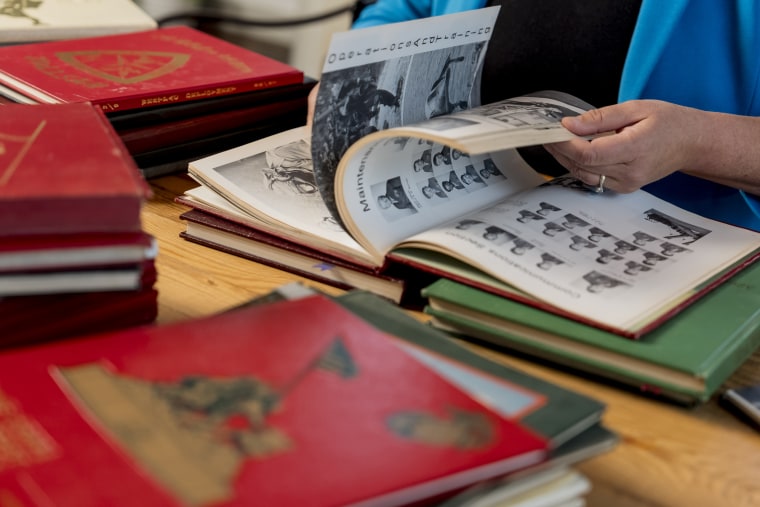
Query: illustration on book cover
x=195, y=433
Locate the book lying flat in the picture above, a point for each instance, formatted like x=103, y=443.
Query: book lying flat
x=448, y=194
x=45, y=317
x=69, y=251
x=76, y=280
x=63, y=170
x=231, y=237
x=140, y=69
x=686, y=360
x=163, y=415
x=46, y=20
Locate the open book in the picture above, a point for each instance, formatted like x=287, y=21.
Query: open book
x=449, y=194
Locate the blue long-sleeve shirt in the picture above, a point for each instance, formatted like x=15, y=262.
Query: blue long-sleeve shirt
x=698, y=53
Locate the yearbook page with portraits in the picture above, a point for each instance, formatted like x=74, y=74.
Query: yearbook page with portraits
x=407, y=168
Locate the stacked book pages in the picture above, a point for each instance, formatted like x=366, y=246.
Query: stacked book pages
x=172, y=94
x=73, y=255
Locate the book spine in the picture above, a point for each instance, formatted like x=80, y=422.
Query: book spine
x=109, y=106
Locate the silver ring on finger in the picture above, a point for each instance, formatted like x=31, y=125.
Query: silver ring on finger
x=600, y=187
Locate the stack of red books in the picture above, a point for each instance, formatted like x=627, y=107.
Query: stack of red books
x=172, y=94
x=73, y=256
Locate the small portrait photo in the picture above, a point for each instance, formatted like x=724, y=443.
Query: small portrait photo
x=670, y=249
x=442, y=157
x=467, y=223
x=433, y=191
x=571, y=221
x=652, y=259
x=527, y=216
x=633, y=268
x=521, y=246
x=597, y=282
x=548, y=261
x=392, y=199
x=452, y=182
x=545, y=209
x=623, y=247
x=497, y=235
x=641, y=238
x=471, y=179
x=605, y=256
x=579, y=243
x=423, y=163
x=489, y=170
x=596, y=234
x=553, y=229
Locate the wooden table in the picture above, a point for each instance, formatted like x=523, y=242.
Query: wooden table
x=668, y=455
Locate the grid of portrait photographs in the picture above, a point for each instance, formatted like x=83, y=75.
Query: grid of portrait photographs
x=619, y=260
x=440, y=174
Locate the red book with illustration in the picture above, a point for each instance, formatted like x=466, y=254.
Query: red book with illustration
x=289, y=404
x=140, y=69
x=63, y=170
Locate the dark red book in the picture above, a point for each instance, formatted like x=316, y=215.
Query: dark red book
x=70, y=251
x=216, y=232
x=64, y=170
x=170, y=133
x=141, y=69
x=46, y=317
x=289, y=404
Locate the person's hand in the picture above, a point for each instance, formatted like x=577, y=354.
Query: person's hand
x=311, y=104
x=645, y=141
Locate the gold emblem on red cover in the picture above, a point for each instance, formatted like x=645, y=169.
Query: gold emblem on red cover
x=122, y=66
x=13, y=149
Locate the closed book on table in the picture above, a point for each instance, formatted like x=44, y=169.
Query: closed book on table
x=215, y=411
x=141, y=69
x=36, y=21
x=63, y=170
x=687, y=359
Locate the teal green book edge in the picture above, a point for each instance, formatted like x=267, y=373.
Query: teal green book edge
x=688, y=357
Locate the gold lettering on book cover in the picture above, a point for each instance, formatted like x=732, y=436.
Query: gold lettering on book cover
x=23, y=440
x=123, y=66
x=13, y=149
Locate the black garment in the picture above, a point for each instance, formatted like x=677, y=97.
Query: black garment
x=584, y=57
x=527, y=53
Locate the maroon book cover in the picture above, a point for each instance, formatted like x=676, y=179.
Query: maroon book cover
x=46, y=317
x=63, y=170
x=139, y=69
x=288, y=404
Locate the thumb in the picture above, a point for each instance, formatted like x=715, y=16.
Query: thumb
x=597, y=121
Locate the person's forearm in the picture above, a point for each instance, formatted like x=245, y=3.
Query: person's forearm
x=726, y=150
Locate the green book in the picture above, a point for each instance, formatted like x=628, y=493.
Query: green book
x=686, y=359
x=558, y=414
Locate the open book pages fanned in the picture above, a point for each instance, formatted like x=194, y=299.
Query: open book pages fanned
x=445, y=191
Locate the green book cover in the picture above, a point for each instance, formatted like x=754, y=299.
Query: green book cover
x=686, y=359
x=556, y=413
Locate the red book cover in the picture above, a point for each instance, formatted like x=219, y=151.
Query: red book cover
x=289, y=404
x=141, y=69
x=46, y=317
x=68, y=251
x=63, y=170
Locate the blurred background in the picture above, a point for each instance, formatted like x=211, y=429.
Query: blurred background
x=302, y=45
